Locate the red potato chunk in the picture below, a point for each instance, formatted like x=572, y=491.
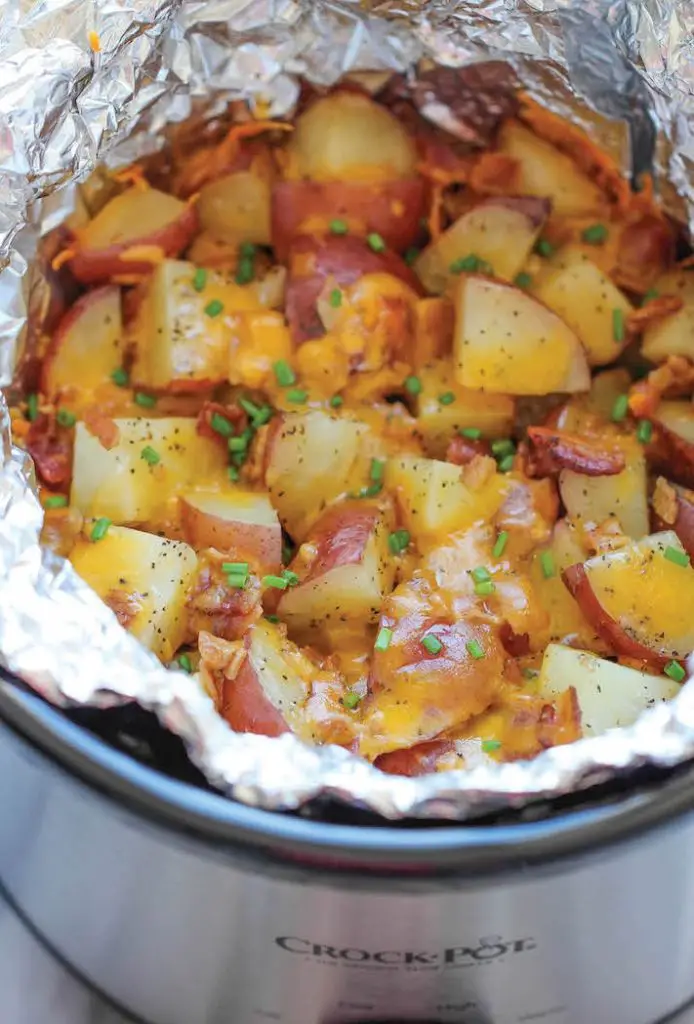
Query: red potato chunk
x=86, y=346
x=242, y=523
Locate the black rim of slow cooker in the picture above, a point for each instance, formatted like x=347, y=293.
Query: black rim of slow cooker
x=448, y=848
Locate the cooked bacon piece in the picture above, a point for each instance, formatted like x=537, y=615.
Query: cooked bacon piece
x=101, y=427
x=462, y=450
x=233, y=414
x=555, y=450
x=213, y=606
x=50, y=446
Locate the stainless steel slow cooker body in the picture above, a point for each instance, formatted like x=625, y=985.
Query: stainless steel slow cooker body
x=182, y=907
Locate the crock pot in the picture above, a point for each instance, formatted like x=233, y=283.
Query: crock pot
x=182, y=907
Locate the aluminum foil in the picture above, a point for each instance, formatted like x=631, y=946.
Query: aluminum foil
x=82, y=83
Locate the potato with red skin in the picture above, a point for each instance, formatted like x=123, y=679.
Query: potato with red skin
x=390, y=209
x=673, y=509
x=344, y=259
x=242, y=523
x=638, y=599
x=671, y=450
x=345, y=570
x=554, y=450
x=86, y=346
x=132, y=219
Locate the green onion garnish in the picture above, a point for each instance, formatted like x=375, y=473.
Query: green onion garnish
x=375, y=242
x=272, y=618
x=475, y=649
x=544, y=248
x=413, y=385
x=383, y=639
x=250, y=408
x=120, y=377
x=529, y=673
x=291, y=577
x=237, y=580
x=447, y=398
x=431, y=643
x=278, y=582
x=100, y=529
x=547, y=564
x=234, y=474
x=263, y=416
x=199, y=279
x=620, y=408
x=284, y=375
x=245, y=272
x=411, y=255
x=398, y=541
x=674, y=670
x=376, y=471
x=369, y=492
x=504, y=446
x=297, y=395
x=221, y=425
x=55, y=501
x=143, y=400
x=214, y=308
x=335, y=298
x=676, y=555
x=237, y=444
x=336, y=401
x=500, y=544
x=465, y=264
x=651, y=294
x=596, y=234
x=32, y=407
x=185, y=663
x=65, y=418
x=151, y=457
x=618, y=324
x=247, y=250
x=506, y=464
x=489, y=745
x=338, y=227
x=485, y=588
x=235, y=567
x=351, y=700
x=480, y=574
x=523, y=280
x=644, y=431
x=473, y=433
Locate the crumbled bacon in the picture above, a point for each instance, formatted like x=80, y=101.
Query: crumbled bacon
x=102, y=427
x=50, y=446
x=554, y=450
x=216, y=607
x=125, y=605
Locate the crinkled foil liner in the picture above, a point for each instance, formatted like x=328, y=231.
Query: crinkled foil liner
x=63, y=108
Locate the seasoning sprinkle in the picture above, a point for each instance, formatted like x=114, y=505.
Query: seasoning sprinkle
x=151, y=457
x=65, y=418
x=120, y=377
x=618, y=331
x=55, y=501
x=677, y=556
x=674, y=670
x=100, y=529
x=475, y=649
x=447, y=398
x=431, y=643
x=199, y=279
x=383, y=639
x=375, y=242
x=547, y=565
x=284, y=375
x=398, y=541
x=500, y=544
x=413, y=385
x=214, y=308
x=144, y=401
x=620, y=408
x=595, y=234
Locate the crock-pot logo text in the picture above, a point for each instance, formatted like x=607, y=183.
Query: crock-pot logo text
x=482, y=951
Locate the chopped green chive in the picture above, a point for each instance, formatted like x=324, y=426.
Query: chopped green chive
x=100, y=529
x=238, y=458
x=506, y=464
x=237, y=580
x=335, y=298
x=504, y=446
x=620, y=408
x=485, y=588
x=529, y=673
x=398, y=541
x=338, y=227
x=547, y=565
x=235, y=567
x=351, y=700
x=55, y=501
x=221, y=425
x=489, y=745
x=151, y=457
x=500, y=545
x=263, y=416
x=523, y=280
x=234, y=474
x=674, y=670
x=465, y=264
x=287, y=552
x=651, y=294
x=245, y=272
x=413, y=385
x=431, y=643
x=284, y=375
x=247, y=250
x=383, y=639
x=144, y=401
x=336, y=401
x=369, y=492
x=184, y=662
x=199, y=279
x=278, y=582
x=32, y=407
x=480, y=574
x=644, y=431
x=297, y=395
x=473, y=433
x=411, y=255
x=291, y=577
x=544, y=248
x=214, y=308
x=120, y=377
x=677, y=556
x=595, y=234
x=272, y=618
x=475, y=649
x=376, y=471
x=65, y=418
x=249, y=407
x=375, y=242
x=618, y=331
x=447, y=398
x=237, y=444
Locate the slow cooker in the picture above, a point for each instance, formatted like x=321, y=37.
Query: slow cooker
x=181, y=907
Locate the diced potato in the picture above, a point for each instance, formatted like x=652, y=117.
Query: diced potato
x=674, y=335
x=434, y=500
x=144, y=579
x=587, y=301
x=501, y=232
x=592, y=499
x=259, y=340
x=508, y=342
x=438, y=421
x=544, y=171
x=677, y=417
x=86, y=346
x=182, y=333
x=236, y=207
x=609, y=695
x=241, y=522
x=311, y=461
x=605, y=390
x=124, y=486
